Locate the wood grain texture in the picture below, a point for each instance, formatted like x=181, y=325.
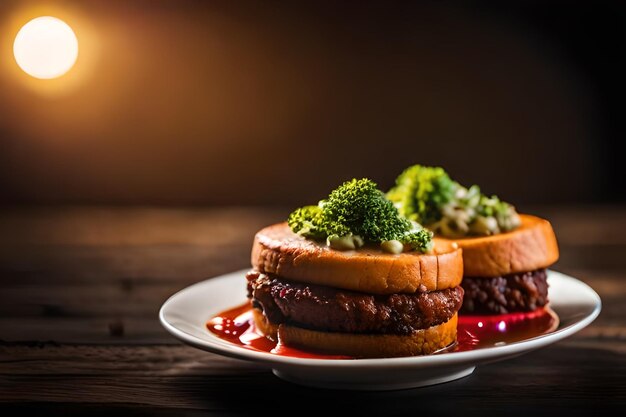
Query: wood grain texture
x=80, y=289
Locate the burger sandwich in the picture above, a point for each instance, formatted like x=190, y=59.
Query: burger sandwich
x=505, y=254
x=351, y=276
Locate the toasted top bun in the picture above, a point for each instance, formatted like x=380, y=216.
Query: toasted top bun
x=531, y=246
x=277, y=250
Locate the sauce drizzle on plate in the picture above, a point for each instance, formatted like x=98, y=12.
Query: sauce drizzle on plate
x=474, y=332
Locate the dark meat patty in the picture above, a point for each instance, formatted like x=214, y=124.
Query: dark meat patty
x=328, y=309
x=510, y=293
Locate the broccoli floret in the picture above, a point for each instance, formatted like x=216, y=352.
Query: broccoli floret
x=429, y=196
x=306, y=221
x=491, y=206
x=420, y=191
x=421, y=239
x=504, y=213
x=359, y=208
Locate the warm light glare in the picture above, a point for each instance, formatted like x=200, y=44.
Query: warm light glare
x=46, y=47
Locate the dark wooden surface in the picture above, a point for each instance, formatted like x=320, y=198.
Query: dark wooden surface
x=80, y=291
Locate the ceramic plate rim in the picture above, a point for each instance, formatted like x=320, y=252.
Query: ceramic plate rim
x=452, y=358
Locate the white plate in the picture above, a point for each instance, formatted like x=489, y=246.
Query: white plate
x=185, y=314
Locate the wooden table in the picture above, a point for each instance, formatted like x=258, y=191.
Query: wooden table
x=79, y=333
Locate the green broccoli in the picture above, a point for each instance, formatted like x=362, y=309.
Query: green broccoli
x=491, y=206
x=429, y=196
x=358, y=208
x=307, y=221
x=419, y=239
x=420, y=191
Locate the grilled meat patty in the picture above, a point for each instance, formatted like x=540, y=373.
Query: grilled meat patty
x=328, y=309
x=506, y=294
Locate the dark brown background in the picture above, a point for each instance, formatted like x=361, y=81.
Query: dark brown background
x=190, y=102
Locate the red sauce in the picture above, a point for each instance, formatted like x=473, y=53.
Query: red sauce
x=473, y=332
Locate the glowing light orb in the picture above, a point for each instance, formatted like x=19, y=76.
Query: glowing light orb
x=45, y=47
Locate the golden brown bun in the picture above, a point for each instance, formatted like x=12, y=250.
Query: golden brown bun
x=262, y=324
x=531, y=246
x=421, y=342
x=277, y=250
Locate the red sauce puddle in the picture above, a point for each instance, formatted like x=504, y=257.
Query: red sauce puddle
x=473, y=332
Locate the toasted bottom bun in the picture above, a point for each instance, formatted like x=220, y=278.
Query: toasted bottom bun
x=420, y=342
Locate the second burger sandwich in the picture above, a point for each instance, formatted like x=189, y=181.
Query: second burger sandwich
x=350, y=276
x=505, y=254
